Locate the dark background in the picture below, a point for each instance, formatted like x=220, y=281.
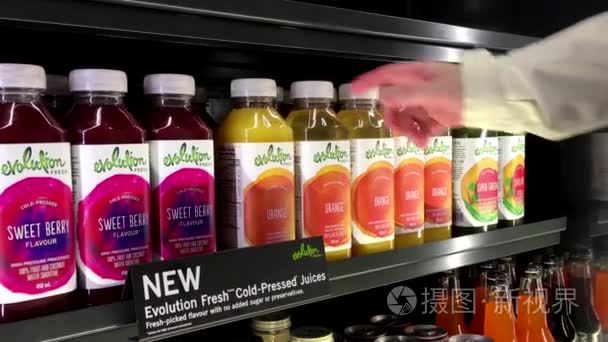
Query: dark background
x=527, y=17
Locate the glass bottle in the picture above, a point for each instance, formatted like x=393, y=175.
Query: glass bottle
x=451, y=316
x=322, y=166
x=372, y=159
x=481, y=286
x=584, y=317
x=531, y=325
x=499, y=322
x=511, y=178
x=475, y=176
x=558, y=316
x=33, y=198
x=600, y=286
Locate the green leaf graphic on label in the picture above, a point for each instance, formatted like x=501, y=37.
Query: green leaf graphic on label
x=479, y=216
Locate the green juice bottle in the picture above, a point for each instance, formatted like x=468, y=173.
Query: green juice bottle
x=511, y=178
x=475, y=181
x=322, y=167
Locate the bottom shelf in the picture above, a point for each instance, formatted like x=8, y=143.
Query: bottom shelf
x=116, y=322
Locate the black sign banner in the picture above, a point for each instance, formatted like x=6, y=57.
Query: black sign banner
x=173, y=297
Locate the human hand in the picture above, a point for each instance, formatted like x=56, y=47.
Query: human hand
x=420, y=100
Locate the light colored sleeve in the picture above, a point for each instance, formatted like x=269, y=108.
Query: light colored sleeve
x=555, y=88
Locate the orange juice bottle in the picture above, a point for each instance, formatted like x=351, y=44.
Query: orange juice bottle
x=452, y=317
x=481, y=292
x=322, y=163
x=256, y=181
x=531, y=325
x=409, y=193
x=438, y=189
x=372, y=159
x=600, y=287
x=499, y=321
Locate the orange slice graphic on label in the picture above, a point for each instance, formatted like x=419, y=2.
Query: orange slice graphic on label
x=438, y=190
x=409, y=193
x=269, y=208
x=373, y=200
x=326, y=205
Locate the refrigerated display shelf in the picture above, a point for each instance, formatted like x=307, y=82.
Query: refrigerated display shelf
x=116, y=322
x=268, y=24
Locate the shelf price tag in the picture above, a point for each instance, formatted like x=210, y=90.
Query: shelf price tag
x=175, y=297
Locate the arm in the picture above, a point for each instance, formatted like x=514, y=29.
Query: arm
x=555, y=88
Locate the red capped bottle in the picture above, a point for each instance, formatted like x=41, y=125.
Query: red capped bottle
x=110, y=161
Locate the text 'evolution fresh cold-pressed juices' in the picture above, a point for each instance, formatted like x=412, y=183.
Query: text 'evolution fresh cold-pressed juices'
x=409, y=193
x=438, y=189
x=475, y=176
x=256, y=156
x=511, y=179
x=110, y=163
x=37, y=259
x=372, y=159
x=181, y=162
x=322, y=164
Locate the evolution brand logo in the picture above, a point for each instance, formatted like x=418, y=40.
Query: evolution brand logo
x=116, y=161
x=185, y=156
x=271, y=156
x=380, y=150
x=306, y=251
x=29, y=162
x=332, y=152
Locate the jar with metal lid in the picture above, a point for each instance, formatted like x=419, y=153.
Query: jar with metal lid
x=363, y=333
x=396, y=338
x=427, y=333
x=394, y=324
x=273, y=327
x=312, y=334
x=470, y=338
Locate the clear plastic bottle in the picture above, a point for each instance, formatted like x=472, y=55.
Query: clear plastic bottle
x=322, y=164
x=256, y=156
x=182, y=165
x=438, y=189
x=475, y=175
x=511, y=179
x=36, y=196
x=110, y=162
x=372, y=159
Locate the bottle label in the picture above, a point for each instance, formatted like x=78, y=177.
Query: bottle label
x=599, y=166
x=258, y=184
x=112, y=191
x=373, y=190
x=409, y=187
x=37, y=256
x=511, y=158
x=323, y=192
x=438, y=183
x=475, y=181
x=183, y=198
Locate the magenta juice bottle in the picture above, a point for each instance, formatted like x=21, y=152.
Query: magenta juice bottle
x=37, y=259
x=182, y=174
x=110, y=162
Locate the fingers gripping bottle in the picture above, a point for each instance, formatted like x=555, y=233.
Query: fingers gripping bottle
x=372, y=159
x=37, y=258
x=322, y=162
x=256, y=157
x=181, y=161
x=110, y=162
x=409, y=193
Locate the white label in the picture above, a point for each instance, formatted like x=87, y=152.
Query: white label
x=372, y=163
x=184, y=197
x=257, y=185
x=475, y=174
x=438, y=183
x=409, y=187
x=511, y=163
x=599, y=166
x=323, y=192
x=112, y=195
x=37, y=257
